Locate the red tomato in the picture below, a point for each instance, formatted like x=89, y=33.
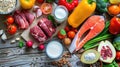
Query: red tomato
x=12, y=29
x=67, y=29
x=114, y=27
x=46, y=8
x=40, y=1
x=118, y=55
x=61, y=34
x=10, y=20
x=71, y=34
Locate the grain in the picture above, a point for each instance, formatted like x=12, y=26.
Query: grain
x=7, y=5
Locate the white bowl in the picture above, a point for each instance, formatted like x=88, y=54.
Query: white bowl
x=10, y=10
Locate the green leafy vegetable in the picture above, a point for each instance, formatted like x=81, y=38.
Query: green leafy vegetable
x=113, y=64
x=96, y=40
x=50, y=1
x=102, y=5
x=116, y=43
x=50, y=17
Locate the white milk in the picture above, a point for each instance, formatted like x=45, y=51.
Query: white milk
x=60, y=14
x=54, y=49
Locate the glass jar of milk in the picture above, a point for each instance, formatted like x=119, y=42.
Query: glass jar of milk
x=60, y=13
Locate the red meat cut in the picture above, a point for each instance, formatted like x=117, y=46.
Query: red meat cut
x=47, y=26
x=38, y=34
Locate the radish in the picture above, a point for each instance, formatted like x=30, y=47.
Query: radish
x=41, y=47
x=29, y=44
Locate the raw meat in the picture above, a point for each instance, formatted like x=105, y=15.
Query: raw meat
x=20, y=19
x=38, y=34
x=46, y=26
x=29, y=16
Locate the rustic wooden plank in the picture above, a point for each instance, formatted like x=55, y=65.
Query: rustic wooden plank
x=36, y=60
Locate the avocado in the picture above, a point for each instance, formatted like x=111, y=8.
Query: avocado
x=107, y=51
x=90, y=56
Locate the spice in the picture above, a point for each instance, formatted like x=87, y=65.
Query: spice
x=7, y=5
x=63, y=61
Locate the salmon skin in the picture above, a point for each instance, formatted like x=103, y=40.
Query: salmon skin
x=91, y=28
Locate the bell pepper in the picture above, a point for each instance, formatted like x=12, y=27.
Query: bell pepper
x=69, y=4
x=27, y=4
x=101, y=6
x=114, y=27
x=114, y=1
x=84, y=9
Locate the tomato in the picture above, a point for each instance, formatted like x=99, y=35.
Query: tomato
x=114, y=27
x=46, y=8
x=61, y=34
x=67, y=29
x=74, y=29
x=12, y=29
x=71, y=34
x=114, y=9
x=118, y=55
x=40, y=1
x=10, y=20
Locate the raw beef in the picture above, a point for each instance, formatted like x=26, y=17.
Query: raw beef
x=46, y=26
x=20, y=19
x=38, y=34
x=29, y=16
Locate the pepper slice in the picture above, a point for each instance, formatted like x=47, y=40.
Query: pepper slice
x=114, y=27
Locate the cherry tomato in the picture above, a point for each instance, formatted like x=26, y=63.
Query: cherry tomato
x=40, y=1
x=74, y=29
x=67, y=29
x=46, y=8
x=61, y=34
x=12, y=29
x=71, y=34
x=114, y=9
x=10, y=20
x=118, y=55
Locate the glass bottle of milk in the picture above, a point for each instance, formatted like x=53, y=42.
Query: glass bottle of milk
x=60, y=13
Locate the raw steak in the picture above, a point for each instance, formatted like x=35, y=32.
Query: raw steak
x=46, y=26
x=38, y=34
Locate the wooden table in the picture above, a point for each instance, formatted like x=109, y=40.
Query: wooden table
x=13, y=56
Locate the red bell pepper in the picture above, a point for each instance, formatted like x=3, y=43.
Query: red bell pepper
x=114, y=27
x=69, y=4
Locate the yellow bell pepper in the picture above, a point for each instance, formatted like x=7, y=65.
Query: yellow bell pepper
x=27, y=4
x=114, y=1
x=84, y=9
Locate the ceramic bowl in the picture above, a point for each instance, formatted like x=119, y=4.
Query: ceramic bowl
x=11, y=9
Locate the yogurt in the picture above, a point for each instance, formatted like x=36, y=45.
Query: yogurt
x=60, y=14
x=54, y=49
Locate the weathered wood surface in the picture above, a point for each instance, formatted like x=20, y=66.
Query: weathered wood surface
x=13, y=56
